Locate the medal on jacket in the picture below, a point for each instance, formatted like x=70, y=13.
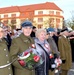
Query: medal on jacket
x=46, y=45
x=33, y=45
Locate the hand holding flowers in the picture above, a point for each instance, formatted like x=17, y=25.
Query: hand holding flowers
x=30, y=58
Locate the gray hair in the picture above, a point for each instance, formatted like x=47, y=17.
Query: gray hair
x=39, y=31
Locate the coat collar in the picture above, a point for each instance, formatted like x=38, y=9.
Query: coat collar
x=26, y=38
x=38, y=41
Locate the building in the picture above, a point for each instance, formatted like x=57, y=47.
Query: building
x=42, y=15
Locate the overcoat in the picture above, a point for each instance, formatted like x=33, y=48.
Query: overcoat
x=4, y=59
x=53, y=45
x=19, y=45
x=65, y=52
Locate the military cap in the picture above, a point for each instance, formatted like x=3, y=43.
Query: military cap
x=50, y=30
x=27, y=23
x=65, y=29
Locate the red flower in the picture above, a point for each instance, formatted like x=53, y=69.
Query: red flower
x=25, y=53
x=58, y=64
x=36, y=58
x=22, y=63
x=51, y=56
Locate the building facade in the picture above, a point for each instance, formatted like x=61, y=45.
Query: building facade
x=42, y=15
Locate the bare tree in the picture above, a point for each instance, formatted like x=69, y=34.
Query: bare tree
x=70, y=22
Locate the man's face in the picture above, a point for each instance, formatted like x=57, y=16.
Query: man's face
x=27, y=30
x=34, y=30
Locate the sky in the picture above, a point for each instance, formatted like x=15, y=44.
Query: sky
x=66, y=5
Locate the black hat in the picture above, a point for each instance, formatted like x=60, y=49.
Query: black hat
x=34, y=27
x=27, y=23
x=65, y=29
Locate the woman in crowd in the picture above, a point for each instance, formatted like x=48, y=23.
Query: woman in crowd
x=19, y=45
x=43, y=48
x=5, y=64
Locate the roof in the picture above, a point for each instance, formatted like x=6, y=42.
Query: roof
x=47, y=5
x=9, y=9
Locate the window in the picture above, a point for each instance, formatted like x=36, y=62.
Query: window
x=57, y=13
x=40, y=26
x=13, y=15
x=51, y=12
x=5, y=16
x=40, y=12
x=51, y=19
x=5, y=21
x=40, y=19
x=13, y=21
x=58, y=20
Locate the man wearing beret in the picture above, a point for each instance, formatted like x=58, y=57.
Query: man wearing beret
x=65, y=51
x=19, y=45
x=5, y=63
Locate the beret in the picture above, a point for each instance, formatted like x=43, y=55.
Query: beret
x=26, y=23
x=50, y=30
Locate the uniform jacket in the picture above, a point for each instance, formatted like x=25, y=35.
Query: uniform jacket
x=19, y=45
x=4, y=58
x=53, y=45
x=65, y=52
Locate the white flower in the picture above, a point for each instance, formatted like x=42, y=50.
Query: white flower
x=24, y=57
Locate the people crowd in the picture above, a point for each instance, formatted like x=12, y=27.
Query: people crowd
x=55, y=46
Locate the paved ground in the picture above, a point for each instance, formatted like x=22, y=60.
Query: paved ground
x=71, y=71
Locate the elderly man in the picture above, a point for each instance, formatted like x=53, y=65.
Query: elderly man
x=65, y=51
x=19, y=45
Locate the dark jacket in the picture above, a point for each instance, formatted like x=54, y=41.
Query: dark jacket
x=9, y=40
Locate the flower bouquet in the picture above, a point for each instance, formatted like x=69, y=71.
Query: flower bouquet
x=30, y=59
x=58, y=63
x=55, y=63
